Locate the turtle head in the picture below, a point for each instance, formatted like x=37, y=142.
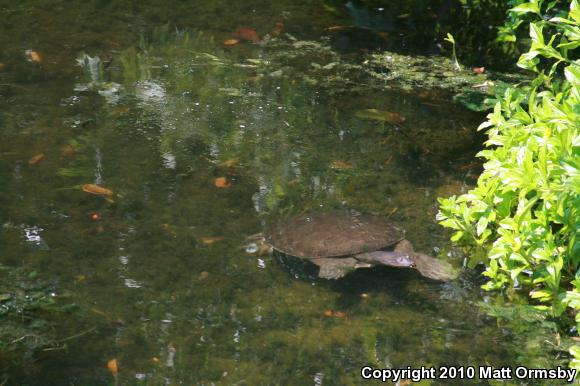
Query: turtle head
x=402, y=261
x=391, y=259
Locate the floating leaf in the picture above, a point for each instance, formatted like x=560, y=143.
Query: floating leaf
x=231, y=42
x=334, y=314
x=222, y=182
x=203, y=275
x=278, y=28
x=338, y=164
x=2, y=66
x=247, y=34
x=67, y=150
x=33, y=56
x=96, y=189
x=379, y=115
x=210, y=240
x=339, y=314
x=36, y=159
x=338, y=28
x=113, y=367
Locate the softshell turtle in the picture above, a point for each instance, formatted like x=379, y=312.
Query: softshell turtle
x=340, y=242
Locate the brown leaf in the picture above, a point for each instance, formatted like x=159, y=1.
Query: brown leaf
x=339, y=314
x=247, y=34
x=479, y=70
x=337, y=28
x=113, y=367
x=231, y=42
x=222, y=182
x=96, y=189
x=2, y=66
x=210, y=240
x=33, y=56
x=203, y=275
x=334, y=314
x=36, y=159
x=338, y=164
x=379, y=115
x=67, y=150
x=278, y=28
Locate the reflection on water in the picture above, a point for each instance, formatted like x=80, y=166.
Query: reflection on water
x=200, y=147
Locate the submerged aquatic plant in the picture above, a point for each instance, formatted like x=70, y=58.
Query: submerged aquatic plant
x=451, y=40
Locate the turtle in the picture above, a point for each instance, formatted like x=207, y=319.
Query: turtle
x=341, y=242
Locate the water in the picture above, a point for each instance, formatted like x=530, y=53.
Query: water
x=201, y=145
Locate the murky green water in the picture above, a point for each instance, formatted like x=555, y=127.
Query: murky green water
x=201, y=144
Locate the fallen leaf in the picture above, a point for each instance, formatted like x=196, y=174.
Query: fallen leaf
x=33, y=56
x=334, y=314
x=80, y=278
x=96, y=189
x=203, y=275
x=222, y=182
x=278, y=28
x=247, y=34
x=67, y=150
x=364, y=296
x=379, y=115
x=36, y=159
x=231, y=42
x=404, y=382
x=2, y=66
x=100, y=313
x=479, y=70
x=338, y=164
x=95, y=216
x=337, y=28
x=210, y=240
x=121, y=110
x=113, y=367
x=339, y=314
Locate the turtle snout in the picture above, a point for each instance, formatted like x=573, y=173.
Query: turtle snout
x=406, y=261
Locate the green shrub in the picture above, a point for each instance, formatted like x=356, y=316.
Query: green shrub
x=523, y=218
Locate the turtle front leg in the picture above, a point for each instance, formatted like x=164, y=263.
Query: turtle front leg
x=335, y=268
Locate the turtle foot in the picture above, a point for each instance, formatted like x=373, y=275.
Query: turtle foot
x=335, y=268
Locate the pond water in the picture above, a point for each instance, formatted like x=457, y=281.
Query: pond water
x=200, y=145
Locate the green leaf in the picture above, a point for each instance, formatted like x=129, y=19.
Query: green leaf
x=572, y=73
x=527, y=8
x=536, y=34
